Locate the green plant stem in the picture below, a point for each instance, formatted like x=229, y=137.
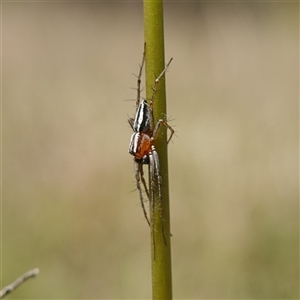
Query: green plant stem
x=154, y=64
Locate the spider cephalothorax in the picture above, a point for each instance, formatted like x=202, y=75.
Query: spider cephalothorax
x=141, y=144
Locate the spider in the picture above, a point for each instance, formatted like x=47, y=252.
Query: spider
x=142, y=147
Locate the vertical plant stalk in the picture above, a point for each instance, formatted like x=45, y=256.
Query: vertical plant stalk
x=154, y=64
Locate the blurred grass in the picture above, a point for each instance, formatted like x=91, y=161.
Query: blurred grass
x=67, y=205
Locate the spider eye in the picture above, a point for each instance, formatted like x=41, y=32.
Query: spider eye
x=146, y=160
x=138, y=160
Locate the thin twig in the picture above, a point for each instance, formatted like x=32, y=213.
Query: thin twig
x=9, y=288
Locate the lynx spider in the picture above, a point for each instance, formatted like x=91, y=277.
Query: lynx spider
x=142, y=147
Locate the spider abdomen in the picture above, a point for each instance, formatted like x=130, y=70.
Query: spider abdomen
x=142, y=121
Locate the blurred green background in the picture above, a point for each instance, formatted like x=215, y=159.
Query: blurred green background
x=68, y=205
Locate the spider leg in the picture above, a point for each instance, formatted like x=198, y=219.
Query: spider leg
x=152, y=203
x=139, y=176
x=143, y=180
x=157, y=81
x=157, y=126
x=155, y=171
x=138, y=97
x=131, y=122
